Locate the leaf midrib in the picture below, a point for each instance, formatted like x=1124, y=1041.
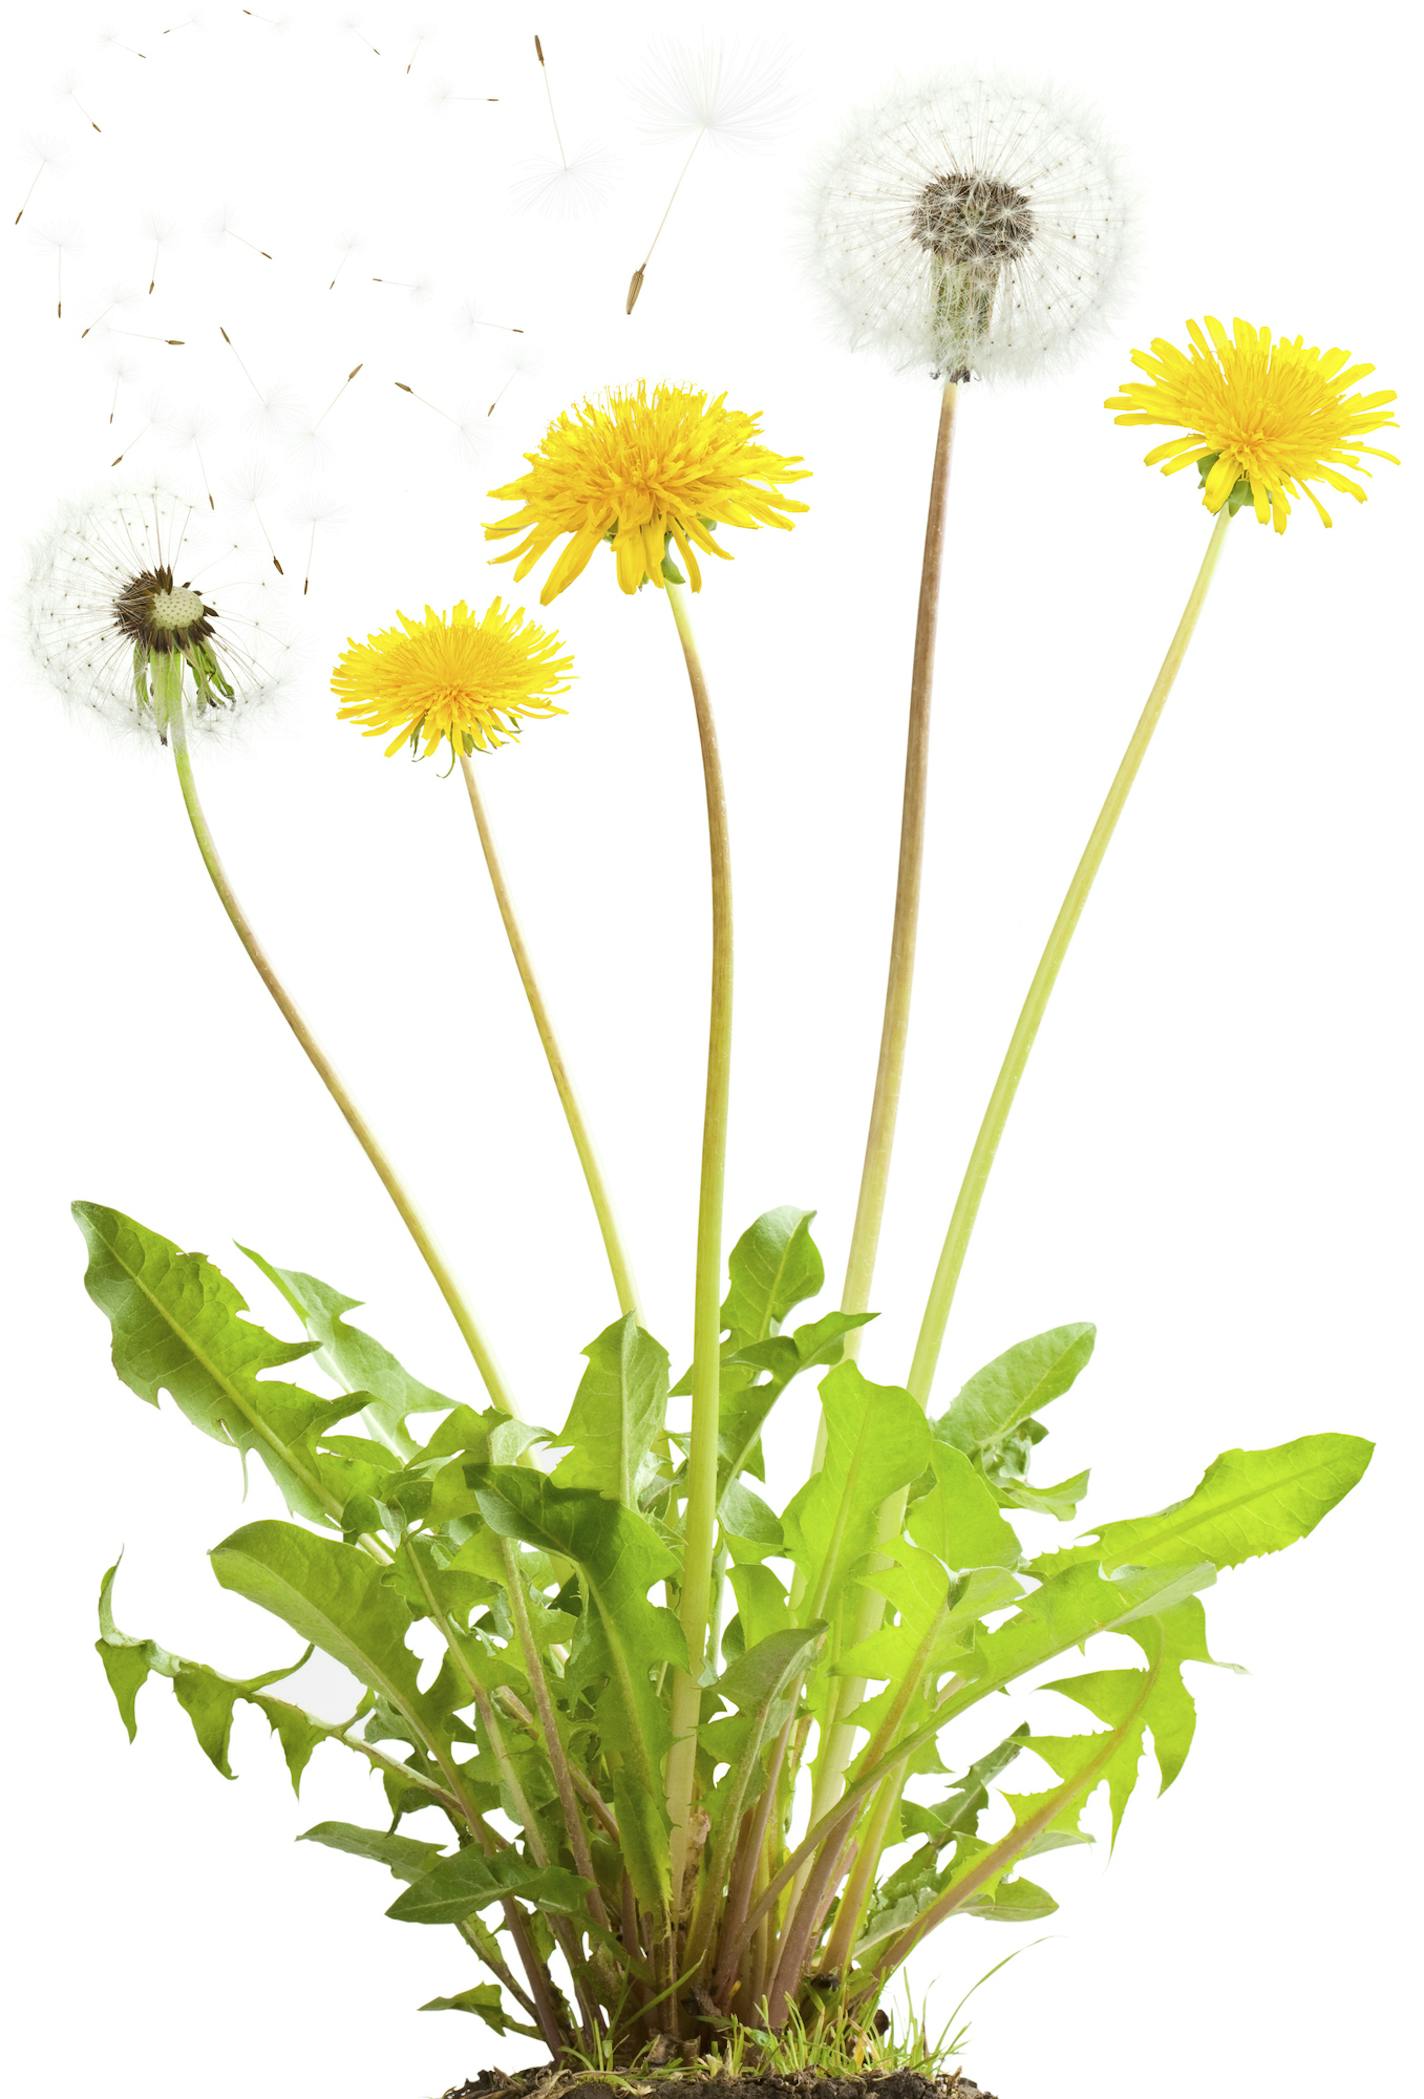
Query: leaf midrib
x=1220, y=1510
x=222, y=1380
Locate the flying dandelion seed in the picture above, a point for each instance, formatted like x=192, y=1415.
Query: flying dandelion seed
x=110, y=36
x=349, y=247
x=575, y=181
x=419, y=288
x=695, y=93
x=160, y=229
x=524, y=358
x=134, y=335
x=549, y=98
x=34, y=185
x=61, y=242
x=470, y=318
x=318, y=514
x=353, y=28
x=245, y=373
x=123, y=370
x=434, y=408
x=127, y=590
x=443, y=96
x=422, y=37
x=337, y=395
x=90, y=121
x=203, y=471
x=133, y=443
x=189, y=22
x=121, y=297
x=261, y=526
x=229, y=232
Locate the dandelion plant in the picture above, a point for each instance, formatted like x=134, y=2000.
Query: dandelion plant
x=686, y=1760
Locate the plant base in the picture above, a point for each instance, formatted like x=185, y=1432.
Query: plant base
x=549, y=2083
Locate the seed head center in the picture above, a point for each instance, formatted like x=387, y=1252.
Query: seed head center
x=965, y=218
x=159, y=613
x=173, y=610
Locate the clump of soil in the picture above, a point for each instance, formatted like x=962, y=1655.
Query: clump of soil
x=800, y=2084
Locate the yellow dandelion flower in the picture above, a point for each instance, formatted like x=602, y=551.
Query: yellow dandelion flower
x=1264, y=417
x=648, y=471
x=458, y=677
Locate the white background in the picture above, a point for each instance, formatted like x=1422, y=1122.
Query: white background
x=1216, y=1153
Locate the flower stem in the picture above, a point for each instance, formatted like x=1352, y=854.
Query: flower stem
x=986, y=1144
x=895, y=1026
x=880, y=1138
x=603, y=1209
x=700, y=1520
x=325, y=1070
x=834, y=1760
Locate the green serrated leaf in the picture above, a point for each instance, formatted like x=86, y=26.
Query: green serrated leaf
x=178, y=1327
x=466, y=1882
x=1014, y=1386
x=619, y=1557
x=352, y=1358
x=617, y=1412
x=877, y=1441
x=334, y=1596
x=206, y=1696
x=1248, y=1502
x=773, y=1267
x=408, y=1858
x=958, y=1520
x=486, y=2001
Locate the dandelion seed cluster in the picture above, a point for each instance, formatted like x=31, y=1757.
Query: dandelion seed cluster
x=136, y=604
x=1263, y=415
x=648, y=470
x=463, y=678
x=971, y=229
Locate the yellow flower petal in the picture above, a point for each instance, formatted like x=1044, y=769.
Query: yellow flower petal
x=1269, y=410
x=462, y=678
x=651, y=467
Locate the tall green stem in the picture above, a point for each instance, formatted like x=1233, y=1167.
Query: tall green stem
x=895, y=1025
x=583, y=1144
x=836, y=1750
x=880, y=1138
x=700, y=1521
x=325, y=1070
x=991, y=1129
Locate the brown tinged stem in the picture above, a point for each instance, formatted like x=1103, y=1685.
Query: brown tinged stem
x=553, y=1741
x=880, y=1138
x=325, y=1069
x=904, y=932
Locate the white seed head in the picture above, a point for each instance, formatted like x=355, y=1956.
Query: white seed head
x=970, y=228
x=120, y=587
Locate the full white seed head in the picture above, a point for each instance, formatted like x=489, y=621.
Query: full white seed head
x=971, y=229
x=141, y=575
